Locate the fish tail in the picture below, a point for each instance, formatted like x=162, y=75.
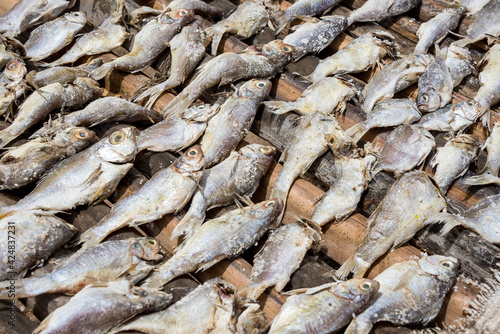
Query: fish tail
x=189, y=223
x=180, y=103
x=355, y=265
x=279, y=107
x=450, y=221
x=278, y=22
x=101, y=71
x=283, y=195
x=158, y=279
x=153, y=93
x=359, y=325
x=6, y=137
x=486, y=178
x=356, y=132
x=88, y=239
x=27, y=287
x=216, y=34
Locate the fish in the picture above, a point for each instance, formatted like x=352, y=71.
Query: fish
x=411, y=292
x=392, y=112
x=26, y=14
x=253, y=62
x=484, y=25
x=326, y=96
x=377, y=10
x=489, y=78
x=454, y=117
x=9, y=97
x=220, y=238
x=12, y=85
x=459, y=63
x=315, y=35
x=26, y=163
x=403, y=212
x=186, y=49
x=406, y=147
x=146, y=49
x=84, y=178
x=41, y=102
x=453, y=159
x=168, y=191
x=178, y=132
x=130, y=259
x=492, y=145
x=10, y=49
x=435, y=86
x=436, y=29
x=360, y=55
x=198, y=6
x=52, y=36
x=325, y=308
x=248, y=19
x=37, y=236
x=108, y=305
x=473, y=6
x=110, y=34
x=393, y=78
x=237, y=175
x=233, y=121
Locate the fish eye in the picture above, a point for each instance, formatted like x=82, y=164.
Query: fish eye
x=183, y=12
x=117, y=137
x=76, y=14
x=152, y=242
x=266, y=150
x=333, y=142
x=82, y=134
x=12, y=66
x=200, y=107
x=287, y=48
x=425, y=97
x=470, y=103
x=270, y=204
x=261, y=84
x=407, y=65
x=192, y=153
x=366, y=286
x=446, y=264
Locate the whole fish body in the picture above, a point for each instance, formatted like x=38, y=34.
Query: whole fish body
x=233, y=121
x=484, y=25
x=360, y=55
x=402, y=213
x=61, y=74
x=459, y=63
x=146, y=49
x=37, y=236
x=41, y=102
x=324, y=309
x=52, y=36
x=393, y=78
x=218, y=239
x=410, y=292
x=453, y=159
x=377, y=10
x=237, y=175
x=107, y=305
x=166, y=192
x=28, y=162
x=326, y=96
x=489, y=77
x=129, y=258
x=454, y=117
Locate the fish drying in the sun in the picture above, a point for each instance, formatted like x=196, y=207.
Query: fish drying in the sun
x=387, y=113
x=459, y=63
x=393, y=78
x=410, y=292
x=489, y=77
x=12, y=85
x=247, y=20
x=376, y=10
x=145, y=48
x=198, y=6
x=233, y=121
x=492, y=145
x=217, y=239
x=186, y=49
x=131, y=259
x=166, y=192
x=485, y=24
x=10, y=49
x=315, y=35
x=326, y=96
x=406, y=147
x=87, y=177
x=107, y=305
x=325, y=308
x=454, y=117
x=402, y=213
x=360, y=55
x=108, y=35
x=52, y=36
x=28, y=162
x=27, y=13
x=253, y=62
x=237, y=175
x=37, y=235
x=473, y=6
x=453, y=159
x=436, y=29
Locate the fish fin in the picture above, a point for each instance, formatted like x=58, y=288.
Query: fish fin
x=278, y=22
x=101, y=71
x=153, y=93
x=485, y=178
x=449, y=220
x=491, y=38
x=355, y=265
x=245, y=199
x=486, y=119
x=124, y=274
x=216, y=35
x=278, y=107
x=180, y=103
x=6, y=137
x=357, y=131
x=358, y=326
x=210, y=263
x=186, y=200
x=188, y=224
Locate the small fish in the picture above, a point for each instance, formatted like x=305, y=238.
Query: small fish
x=402, y=213
x=326, y=308
x=453, y=159
x=237, y=175
x=130, y=259
x=326, y=96
x=12, y=84
x=386, y=113
x=393, y=78
x=492, y=145
x=377, y=10
x=484, y=25
x=459, y=63
x=10, y=49
x=410, y=292
x=360, y=55
x=489, y=77
x=52, y=36
x=198, y=6
x=454, y=117
x=218, y=239
x=108, y=305
x=9, y=97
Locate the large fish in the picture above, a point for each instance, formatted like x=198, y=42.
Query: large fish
x=377, y=10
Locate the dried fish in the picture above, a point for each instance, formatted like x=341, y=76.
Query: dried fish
x=409, y=202
x=492, y=145
x=474, y=6
x=237, y=175
x=61, y=74
x=377, y=10
x=489, y=77
x=454, y=117
x=459, y=63
x=218, y=239
x=52, y=36
x=198, y=6
x=484, y=25
x=410, y=293
x=10, y=49
x=12, y=84
x=326, y=308
x=108, y=305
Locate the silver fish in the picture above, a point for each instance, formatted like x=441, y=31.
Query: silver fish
x=492, y=145
x=474, y=6
x=61, y=74
x=484, y=25
x=52, y=36
x=489, y=77
x=402, y=213
x=454, y=117
x=10, y=49
x=410, y=292
x=459, y=63
x=377, y=10
x=12, y=85
x=198, y=6
x=237, y=175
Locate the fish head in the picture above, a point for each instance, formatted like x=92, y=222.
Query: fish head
x=268, y=209
x=278, y=52
x=470, y=109
x=261, y=154
x=15, y=69
x=179, y=15
x=191, y=162
x=76, y=17
x=119, y=147
x=252, y=320
x=201, y=112
x=147, y=249
x=158, y=300
x=76, y=137
x=255, y=88
x=444, y=268
x=356, y=290
x=469, y=142
x=340, y=143
x=428, y=99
